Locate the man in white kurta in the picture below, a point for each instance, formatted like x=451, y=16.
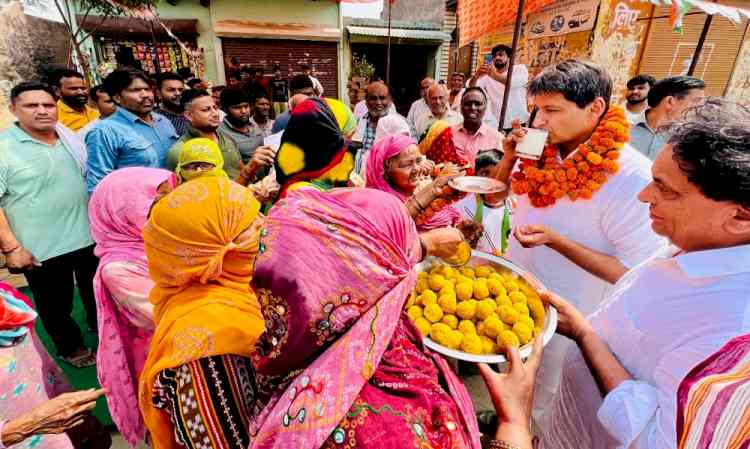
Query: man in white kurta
x=671, y=312
x=612, y=229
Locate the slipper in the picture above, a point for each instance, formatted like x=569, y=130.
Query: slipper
x=84, y=360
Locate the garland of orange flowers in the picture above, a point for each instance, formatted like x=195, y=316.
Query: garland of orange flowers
x=582, y=173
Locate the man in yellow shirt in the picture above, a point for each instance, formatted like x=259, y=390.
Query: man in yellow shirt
x=72, y=108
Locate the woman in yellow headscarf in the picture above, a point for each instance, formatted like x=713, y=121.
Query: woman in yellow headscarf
x=200, y=157
x=197, y=386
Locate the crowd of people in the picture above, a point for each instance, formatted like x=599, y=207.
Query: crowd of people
x=246, y=264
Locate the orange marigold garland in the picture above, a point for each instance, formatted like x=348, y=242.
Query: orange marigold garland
x=582, y=173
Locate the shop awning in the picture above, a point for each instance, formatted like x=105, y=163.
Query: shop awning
x=131, y=28
x=266, y=30
x=400, y=33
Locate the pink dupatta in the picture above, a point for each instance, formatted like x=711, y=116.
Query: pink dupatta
x=383, y=150
x=333, y=273
x=117, y=211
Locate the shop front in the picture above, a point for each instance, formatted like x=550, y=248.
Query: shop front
x=146, y=45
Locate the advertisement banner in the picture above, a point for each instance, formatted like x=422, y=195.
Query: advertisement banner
x=569, y=16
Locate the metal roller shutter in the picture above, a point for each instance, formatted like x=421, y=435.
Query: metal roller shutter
x=668, y=53
x=289, y=54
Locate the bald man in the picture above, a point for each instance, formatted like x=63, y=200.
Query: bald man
x=419, y=107
x=439, y=109
x=379, y=104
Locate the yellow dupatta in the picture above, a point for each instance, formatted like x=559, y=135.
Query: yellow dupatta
x=201, y=242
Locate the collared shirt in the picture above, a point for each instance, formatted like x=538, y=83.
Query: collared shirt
x=484, y=139
x=634, y=117
x=43, y=193
x=265, y=129
x=646, y=140
x=495, y=90
x=613, y=222
x=427, y=119
x=247, y=142
x=232, y=157
x=417, y=109
x=125, y=140
x=73, y=119
x=663, y=317
x=179, y=121
x=368, y=131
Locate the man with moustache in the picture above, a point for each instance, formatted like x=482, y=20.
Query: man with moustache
x=379, y=104
x=257, y=158
x=437, y=101
x=419, y=107
x=44, y=224
x=170, y=87
x=73, y=110
x=134, y=136
x=636, y=104
x=202, y=113
x=473, y=136
x=492, y=78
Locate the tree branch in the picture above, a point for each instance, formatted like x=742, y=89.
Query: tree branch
x=83, y=21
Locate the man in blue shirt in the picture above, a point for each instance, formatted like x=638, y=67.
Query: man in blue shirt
x=667, y=100
x=133, y=136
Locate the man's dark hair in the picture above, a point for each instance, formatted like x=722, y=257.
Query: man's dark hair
x=168, y=76
x=300, y=82
x=474, y=89
x=232, y=96
x=487, y=158
x=27, y=86
x=94, y=92
x=581, y=82
x=674, y=86
x=56, y=77
x=189, y=95
x=185, y=73
x=260, y=94
x=501, y=48
x=120, y=79
x=711, y=144
x=193, y=82
x=304, y=66
x=641, y=79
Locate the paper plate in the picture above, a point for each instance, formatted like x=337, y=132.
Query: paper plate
x=477, y=184
x=478, y=259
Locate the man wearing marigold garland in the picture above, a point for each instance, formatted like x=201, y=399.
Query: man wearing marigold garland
x=579, y=224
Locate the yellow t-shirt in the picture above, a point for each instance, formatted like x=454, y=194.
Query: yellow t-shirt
x=73, y=119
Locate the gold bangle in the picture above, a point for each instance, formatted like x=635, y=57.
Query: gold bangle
x=502, y=444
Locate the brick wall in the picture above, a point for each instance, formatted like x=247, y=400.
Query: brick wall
x=289, y=54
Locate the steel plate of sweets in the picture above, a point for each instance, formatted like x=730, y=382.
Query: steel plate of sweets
x=471, y=312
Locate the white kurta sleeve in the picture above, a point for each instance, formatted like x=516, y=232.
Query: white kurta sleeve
x=628, y=411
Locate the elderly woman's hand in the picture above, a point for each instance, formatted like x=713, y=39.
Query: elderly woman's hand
x=441, y=242
x=512, y=392
x=54, y=416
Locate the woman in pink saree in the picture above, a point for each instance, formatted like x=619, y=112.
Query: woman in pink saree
x=118, y=210
x=339, y=365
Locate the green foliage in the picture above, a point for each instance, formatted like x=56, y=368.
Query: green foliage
x=362, y=68
x=113, y=7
